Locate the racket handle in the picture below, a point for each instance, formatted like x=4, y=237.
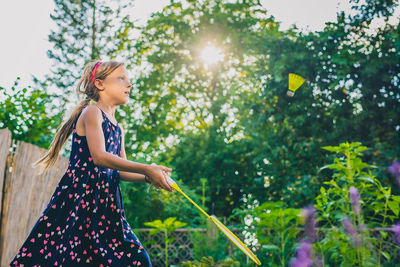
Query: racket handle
x=170, y=181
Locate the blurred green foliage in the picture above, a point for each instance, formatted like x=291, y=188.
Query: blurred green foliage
x=380, y=209
x=29, y=114
x=166, y=227
x=209, y=262
x=276, y=231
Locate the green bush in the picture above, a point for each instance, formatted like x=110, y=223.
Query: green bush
x=279, y=237
x=375, y=207
x=209, y=262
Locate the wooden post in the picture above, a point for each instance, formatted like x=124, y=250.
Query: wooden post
x=5, y=162
x=25, y=194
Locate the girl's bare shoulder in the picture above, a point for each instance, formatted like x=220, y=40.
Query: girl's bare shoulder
x=92, y=114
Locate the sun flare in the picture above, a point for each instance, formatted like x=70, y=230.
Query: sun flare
x=211, y=55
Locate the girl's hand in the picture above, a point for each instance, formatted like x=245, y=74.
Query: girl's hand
x=158, y=176
x=158, y=187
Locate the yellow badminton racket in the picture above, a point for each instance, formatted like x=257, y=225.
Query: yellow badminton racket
x=222, y=227
x=295, y=81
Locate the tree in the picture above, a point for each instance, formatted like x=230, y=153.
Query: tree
x=351, y=95
x=23, y=112
x=175, y=93
x=86, y=30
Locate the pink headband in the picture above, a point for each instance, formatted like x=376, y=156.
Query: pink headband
x=94, y=70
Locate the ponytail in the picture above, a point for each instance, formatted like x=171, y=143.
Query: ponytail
x=63, y=132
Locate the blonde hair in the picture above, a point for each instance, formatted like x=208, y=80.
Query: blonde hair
x=92, y=94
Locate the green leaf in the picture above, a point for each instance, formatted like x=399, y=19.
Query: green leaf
x=394, y=206
x=367, y=179
x=361, y=149
x=386, y=255
x=331, y=148
x=322, y=190
x=153, y=231
x=383, y=234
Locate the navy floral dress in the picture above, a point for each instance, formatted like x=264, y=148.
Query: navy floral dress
x=84, y=223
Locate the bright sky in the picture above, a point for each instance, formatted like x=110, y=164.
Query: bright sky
x=25, y=25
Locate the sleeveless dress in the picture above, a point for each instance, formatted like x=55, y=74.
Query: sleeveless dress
x=84, y=223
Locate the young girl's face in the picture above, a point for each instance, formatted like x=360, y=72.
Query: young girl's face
x=117, y=86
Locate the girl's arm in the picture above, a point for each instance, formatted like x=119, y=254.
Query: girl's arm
x=92, y=119
x=129, y=176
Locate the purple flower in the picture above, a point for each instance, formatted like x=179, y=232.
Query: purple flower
x=308, y=216
x=355, y=200
x=303, y=255
x=394, y=169
x=396, y=230
x=348, y=226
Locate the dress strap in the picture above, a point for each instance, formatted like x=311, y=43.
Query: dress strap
x=102, y=112
x=76, y=119
x=104, y=115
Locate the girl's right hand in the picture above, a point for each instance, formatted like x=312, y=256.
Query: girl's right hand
x=158, y=177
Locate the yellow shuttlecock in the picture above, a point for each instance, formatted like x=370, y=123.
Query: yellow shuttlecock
x=220, y=226
x=295, y=81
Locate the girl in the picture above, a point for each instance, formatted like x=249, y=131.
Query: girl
x=84, y=223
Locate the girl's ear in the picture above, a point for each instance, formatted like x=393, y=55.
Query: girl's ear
x=99, y=84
